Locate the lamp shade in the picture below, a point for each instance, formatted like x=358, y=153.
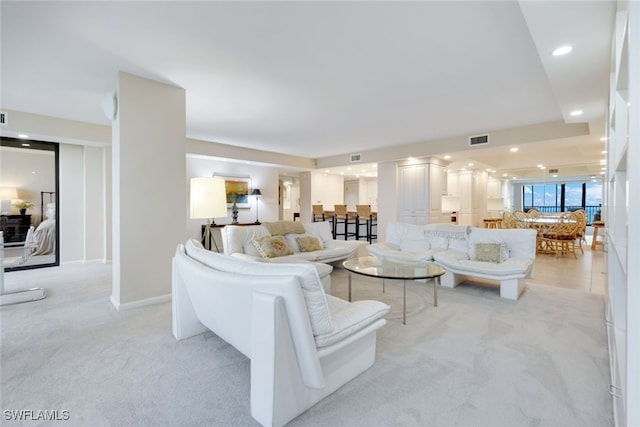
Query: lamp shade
x=8, y=193
x=208, y=198
x=256, y=192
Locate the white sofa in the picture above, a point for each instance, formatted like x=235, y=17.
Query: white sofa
x=239, y=240
x=515, y=265
x=420, y=241
x=302, y=343
x=454, y=248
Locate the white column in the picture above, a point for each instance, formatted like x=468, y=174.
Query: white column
x=149, y=188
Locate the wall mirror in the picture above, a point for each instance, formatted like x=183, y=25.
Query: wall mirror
x=29, y=195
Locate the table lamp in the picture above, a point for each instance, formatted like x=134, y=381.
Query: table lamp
x=208, y=200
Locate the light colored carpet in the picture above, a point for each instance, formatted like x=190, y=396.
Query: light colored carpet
x=476, y=360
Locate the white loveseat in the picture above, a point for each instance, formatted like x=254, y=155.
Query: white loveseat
x=513, y=265
x=420, y=241
x=302, y=343
x=238, y=240
x=454, y=248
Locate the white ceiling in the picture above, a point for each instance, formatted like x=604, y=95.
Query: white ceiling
x=318, y=79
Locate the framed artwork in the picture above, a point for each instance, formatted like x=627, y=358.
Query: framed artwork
x=237, y=189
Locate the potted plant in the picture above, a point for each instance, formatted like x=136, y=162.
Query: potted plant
x=22, y=205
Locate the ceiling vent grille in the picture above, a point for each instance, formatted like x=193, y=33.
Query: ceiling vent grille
x=4, y=118
x=478, y=140
x=355, y=158
x=553, y=170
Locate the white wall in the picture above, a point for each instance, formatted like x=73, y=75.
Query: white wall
x=94, y=196
x=72, y=203
x=368, y=193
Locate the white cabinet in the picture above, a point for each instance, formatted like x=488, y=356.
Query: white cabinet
x=622, y=226
x=420, y=190
x=438, y=188
x=413, y=184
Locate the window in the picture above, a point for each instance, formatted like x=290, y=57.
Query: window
x=563, y=197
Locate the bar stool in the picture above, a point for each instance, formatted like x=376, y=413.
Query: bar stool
x=342, y=217
x=370, y=220
x=595, y=242
x=318, y=213
x=492, y=222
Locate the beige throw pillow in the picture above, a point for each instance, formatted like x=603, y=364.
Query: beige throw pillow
x=272, y=246
x=490, y=252
x=309, y=244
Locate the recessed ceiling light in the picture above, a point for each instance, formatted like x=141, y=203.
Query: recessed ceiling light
x=23, y=136
x=327, y=171
x=504, y=174
x=576, y=113
x=513, y=149
x=515, y=177
x=540, y=166
x=555, y=175
x=470, y=164
x=562, y=50
x=604, y=151
x=604, y=138
x=603, y=162
x=26, y=144
x=447, y=157
x=602, y=173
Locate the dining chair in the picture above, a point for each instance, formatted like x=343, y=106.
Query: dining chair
x=562, y=235
x=582, y=231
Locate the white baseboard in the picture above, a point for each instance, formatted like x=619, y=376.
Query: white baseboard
x=140, y=303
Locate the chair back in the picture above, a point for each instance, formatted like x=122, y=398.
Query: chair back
x=364, y=211
x=508, y=221
x=318, y=210
x=521, y=220
x=341, y=211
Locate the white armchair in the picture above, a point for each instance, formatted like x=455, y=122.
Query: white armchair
x=303, y=344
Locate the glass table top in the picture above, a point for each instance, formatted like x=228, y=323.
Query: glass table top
x=396, y=268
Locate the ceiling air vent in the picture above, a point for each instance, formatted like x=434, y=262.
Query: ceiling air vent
x=4, y=118
x=553, y=170
x=478, y=140
x=355, y=158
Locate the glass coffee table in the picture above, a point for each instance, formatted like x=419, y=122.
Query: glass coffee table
x=396, y=268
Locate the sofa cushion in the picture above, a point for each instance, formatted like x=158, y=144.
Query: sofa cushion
x=349, y=318
x=309, y=243
x=521, y=243
x=272, y=246
x=490, y=252
x=414, y=242
x=292, y=241
x=312, y=290
x=511, y=267
x=280, y=228
x=240, y=238
x=321, y=229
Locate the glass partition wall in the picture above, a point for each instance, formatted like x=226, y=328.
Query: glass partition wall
x=29, y=195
